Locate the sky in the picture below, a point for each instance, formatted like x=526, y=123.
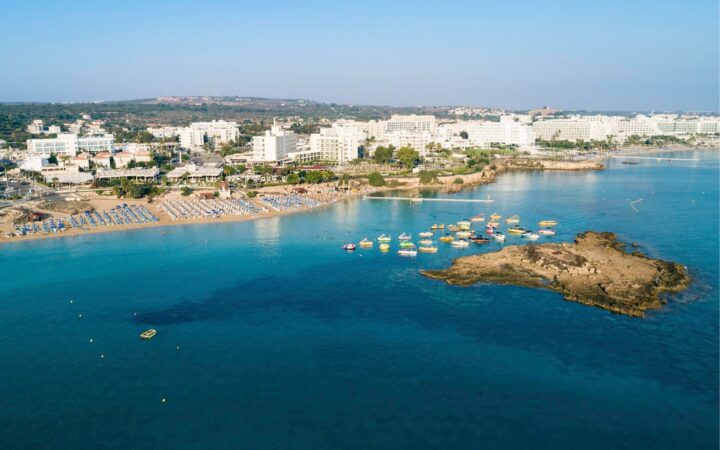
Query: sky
x=609, y=55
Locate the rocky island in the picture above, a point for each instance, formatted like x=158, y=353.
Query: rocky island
x=595, y=270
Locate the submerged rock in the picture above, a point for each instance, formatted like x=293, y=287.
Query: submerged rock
x=594, y=270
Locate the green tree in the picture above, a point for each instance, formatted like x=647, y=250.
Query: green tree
x=293, y=178
x=229, y=170
x=314, y=177
x=383, y=155
x=428, y=176
x=408, y=156
x=376, y=179
x=52, y=159
x=458, y=180
x=185, y=191
x=113, y=164
x=464, y=134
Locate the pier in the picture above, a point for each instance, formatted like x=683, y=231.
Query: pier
x=656, y=158
x=422, y=199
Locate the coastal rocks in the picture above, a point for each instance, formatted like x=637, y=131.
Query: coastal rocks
x=594, y=270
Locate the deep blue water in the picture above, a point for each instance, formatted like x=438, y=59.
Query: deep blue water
x=270, y=336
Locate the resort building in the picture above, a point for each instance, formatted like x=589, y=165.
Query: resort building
x=195, y=173
x=70, y=144
x=506, y=131
x=411, y=124
x=338, y=144
x=274, y=145
x=150, y=174
x=415, y=140
x=217, y=132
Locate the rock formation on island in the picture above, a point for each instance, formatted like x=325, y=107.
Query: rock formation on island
x=594, y=270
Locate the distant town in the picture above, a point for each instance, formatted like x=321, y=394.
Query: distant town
x=302, y=160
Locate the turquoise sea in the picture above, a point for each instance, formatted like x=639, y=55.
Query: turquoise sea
x=272, y=337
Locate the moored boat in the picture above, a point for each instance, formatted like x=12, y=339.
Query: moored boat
x=384, y=238
x=499, y=237
x=489, y=230
x=428, y=249
x=404, y=237
x=546, y=232
x=464, y=224
x=446, y=238
x=365, y=243
x=530, y=235
x=441, y=226
x=425, y=234
x=480, y=240
x=516, y=230
x=407, y=252
x=548, y=223
x=453, y=228
x=460, y=243
x=434, y=226
x=426, y=242
x=384, y=247
x=495, y=216
x=463, y=234
x=349, y=247
x=478, y=218
x=406, y=244
x=147, y=335
x=513, y=219
x=493, y=224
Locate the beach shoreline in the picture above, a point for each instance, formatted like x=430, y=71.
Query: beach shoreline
x=486, y=176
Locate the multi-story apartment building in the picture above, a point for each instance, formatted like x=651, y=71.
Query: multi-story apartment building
x=506, y=131
x=411, y=124
x=70, y=145
x=339, y=144
x=274, y=145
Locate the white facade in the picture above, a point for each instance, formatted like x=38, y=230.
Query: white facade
x=96, y=144
x=191, y=138
x=418, y=141
x=70, y=145
x=507, y=131
x=339, y=144
x=411, y=124
x=274, y=145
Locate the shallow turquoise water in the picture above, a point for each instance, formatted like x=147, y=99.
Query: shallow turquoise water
x=270, y=336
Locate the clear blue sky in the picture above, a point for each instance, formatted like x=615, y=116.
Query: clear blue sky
x=611, y=55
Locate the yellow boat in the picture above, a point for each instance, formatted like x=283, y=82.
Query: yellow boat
x=478, y=218
x=384, y=247
x=365, y=243
x=493, y=224
x=147, y=335
x=453, y=228
x=495, y=216
x=428, y=249
x=548, y=223
x=441, y=226
x=513, y=219
x=516, y=230
x=434, y=227
x=447, y=238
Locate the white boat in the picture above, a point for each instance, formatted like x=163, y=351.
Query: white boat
x=530, y=235
x=463, y=234
x=383, y=238
x=425, y=234
x=499, y=237
x=464, y=224
x=513, y=219
x=407, y=252
x=426, y=242
x=546, y=232
x=460, y=243
x=478, y=218
x=404, y=237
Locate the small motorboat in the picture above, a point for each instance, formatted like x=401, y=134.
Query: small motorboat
x=384, y=238
x=406, y=244
x=463, y=234
x=446, y=238
x=548, y=223
x=428, y=249
x=499, y=237
x=407, y=252
x=464, y=224
x=495, y=216
x=530, y=235
x=493, y=224
x=404, y=237
x=366, y=243
x=460, y=243
x=453, y=228
x=478, y=218
x=441, y=226
x=147, y=335
x=426, y=242
x=516, y=230
x=489, y=230
x=425, y=234
x=434, y=226
x=513, y=219
x=384, y=247
x=480, y=240
x=546, y=232
x=349, y=247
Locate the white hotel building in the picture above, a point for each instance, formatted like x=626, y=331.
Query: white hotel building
x=70, y=145
x=339, y=144
x=274, y=145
